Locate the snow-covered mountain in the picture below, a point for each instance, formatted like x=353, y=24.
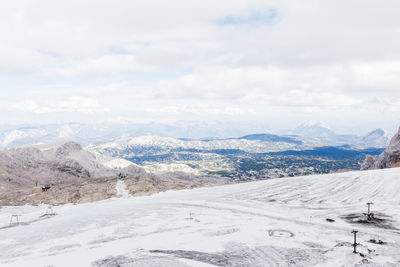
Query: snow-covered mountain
x=376, y=138
x=318, y=131
x=160, y=154
x=302, y=221
x=14, y=136
x=22, y=136
x=257, y=156
x=312, y=134
x=250, y=143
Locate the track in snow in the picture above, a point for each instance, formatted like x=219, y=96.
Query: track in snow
x=121, y=189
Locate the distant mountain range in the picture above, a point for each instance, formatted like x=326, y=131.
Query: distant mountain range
x=311, y=134
x=256, y=156
x=109, y=149
x=317, y=131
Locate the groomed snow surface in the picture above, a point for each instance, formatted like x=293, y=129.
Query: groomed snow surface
x=279, y=222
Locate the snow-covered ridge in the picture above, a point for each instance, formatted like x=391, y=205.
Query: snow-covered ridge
x=16, y=135
x=313, y=133
x=277, y=222
x=169, y=143
x=318, y=131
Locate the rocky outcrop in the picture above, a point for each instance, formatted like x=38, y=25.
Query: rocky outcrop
x=388, y=159
x=74, y=175
x=96, y=189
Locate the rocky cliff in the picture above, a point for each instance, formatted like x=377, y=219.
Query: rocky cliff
x=388, y=159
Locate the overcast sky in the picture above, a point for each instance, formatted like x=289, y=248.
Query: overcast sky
x=279, y=63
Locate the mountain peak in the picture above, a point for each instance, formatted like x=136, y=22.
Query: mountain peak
x=314, y=129
x=311, y=124
x=67, y=148
x=378, y=131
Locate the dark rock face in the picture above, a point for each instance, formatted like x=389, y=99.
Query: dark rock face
x=67, y=148
x=369, y=163
x=388, y=159
x=71, y=167
x=24, y=171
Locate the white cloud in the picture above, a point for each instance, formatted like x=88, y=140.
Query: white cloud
x=107, y=64
x=77, y=104
x=378, y=76
x=315, y=57
x=273, y=86
x=201, y=109
x=223, y=83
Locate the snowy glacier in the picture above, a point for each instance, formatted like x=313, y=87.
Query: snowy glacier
x=276, y=222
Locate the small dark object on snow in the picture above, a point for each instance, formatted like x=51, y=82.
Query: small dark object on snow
x=370, y=216
x=379, y=220
x=45, y=188
x=330, y=220
x=14, y=221
x=379, y=242
x=362, y=255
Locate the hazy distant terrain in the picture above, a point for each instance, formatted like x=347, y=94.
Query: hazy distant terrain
x=308, y=149
x=85, y=134
x=250, y=157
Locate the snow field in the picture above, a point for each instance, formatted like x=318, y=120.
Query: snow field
x=278, y=222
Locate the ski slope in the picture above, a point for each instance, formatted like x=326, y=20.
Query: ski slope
x=278, y=222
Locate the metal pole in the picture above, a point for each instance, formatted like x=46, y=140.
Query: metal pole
x=355, y=241
x=369, y=205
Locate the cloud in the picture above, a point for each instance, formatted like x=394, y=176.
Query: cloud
x=201, y=109
x=377, y=76
x=107, y=64
x=222, y=83
x=76, y=104
x=314, y=99
x=314, y=56
x=308, y=87
x=254, y=18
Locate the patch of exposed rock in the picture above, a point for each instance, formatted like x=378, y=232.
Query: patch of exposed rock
x=388, y=159
x=74, y=175
x=96, y=189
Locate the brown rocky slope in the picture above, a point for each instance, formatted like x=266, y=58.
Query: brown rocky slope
x=74, y=175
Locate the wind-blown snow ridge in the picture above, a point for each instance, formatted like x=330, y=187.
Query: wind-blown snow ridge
x=278, y=222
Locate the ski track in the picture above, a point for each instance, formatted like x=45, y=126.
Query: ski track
x=278, y=222
x=121, y=189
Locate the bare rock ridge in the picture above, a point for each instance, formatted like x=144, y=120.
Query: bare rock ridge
x=75, y=175
x=388, y=159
